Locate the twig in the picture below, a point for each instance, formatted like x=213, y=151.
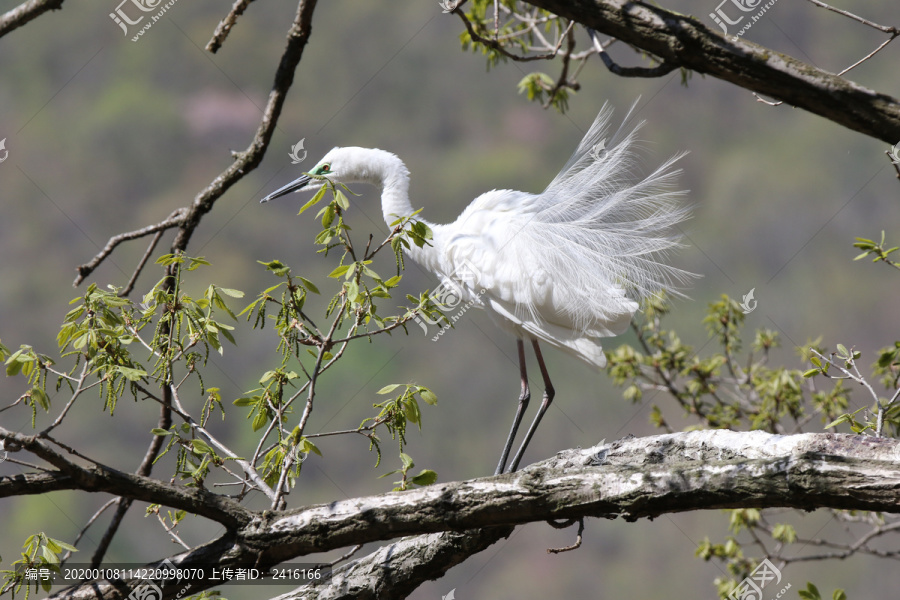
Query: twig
x=769, y=102
x=171, y=531
x=663, y=68
x=224, y=27
x=249, y=469
x=870, y=54
x=130, y=285
x=78, y=391
x=344, y=557
x=577, y=543
x=495, y=45
x=892, y=30
x=173, y=220
x=563, y=80
x=15, y=18
x=90, y=522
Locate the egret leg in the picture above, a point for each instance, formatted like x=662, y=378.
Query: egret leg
x=524, y=397
x=549, y=392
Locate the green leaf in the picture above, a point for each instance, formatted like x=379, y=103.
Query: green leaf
x=63, y=546
x=352, y=290
x=426, y=477
x=428, y=396
x=40, y=398
x=318, y=196
x=73, y=314
x=328, y=215
x=388, y=388
x=309, y=285
x=339, y=271
x=161, y=432
x=838, y=421
x=131, y=374
x=232, y=293
x=784, y=533
x=341, y=200
x=407, y=461
x=201, y=447
x=260, y=421
x=811, y=373
x=307, y=446
x=277, y=267
x=411, y=410
x=244, y=401
x=810, y=593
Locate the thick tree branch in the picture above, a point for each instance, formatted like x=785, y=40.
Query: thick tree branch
x=395, y=570
x=632, y=479
x=100, y=478
x=684, y=41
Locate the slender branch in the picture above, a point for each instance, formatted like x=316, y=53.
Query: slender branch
x=224, y=27
x=248, y=468
x=892, y=30
x=172, y=221
x=87, y=525
x=100, y=478
x=171, y=531
x=78, y=391
x=659, y=70
x=25, y=12
x=137, y=271
x=870, y=54
x=495, y=45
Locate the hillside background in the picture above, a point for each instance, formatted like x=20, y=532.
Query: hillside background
x=107, y=135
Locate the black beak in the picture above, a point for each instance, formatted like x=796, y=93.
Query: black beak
x=293, y=186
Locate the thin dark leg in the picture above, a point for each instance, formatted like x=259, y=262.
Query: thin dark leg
x=549, y=392
x=524, y=397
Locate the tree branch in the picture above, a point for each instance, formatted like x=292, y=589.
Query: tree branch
x=632, y=479
x=100, y=478
x=686, y=42
x=224, y=27
x=172, y=221
x=25, y=12
x=394, y=571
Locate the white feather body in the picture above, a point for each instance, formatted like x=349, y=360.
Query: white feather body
x=568, y=266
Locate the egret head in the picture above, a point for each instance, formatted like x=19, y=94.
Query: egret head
x=346, y=165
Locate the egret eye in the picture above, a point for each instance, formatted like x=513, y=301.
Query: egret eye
x=324, y=169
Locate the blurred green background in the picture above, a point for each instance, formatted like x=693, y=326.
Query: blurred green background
x=107, y=135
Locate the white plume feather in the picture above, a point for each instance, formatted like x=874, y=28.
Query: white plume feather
x=585, y=252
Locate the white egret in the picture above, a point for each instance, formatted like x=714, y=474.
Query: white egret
x=568, y=266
